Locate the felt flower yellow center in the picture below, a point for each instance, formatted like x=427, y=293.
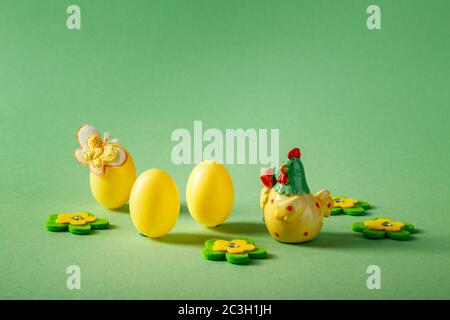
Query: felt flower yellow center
x=383, y=224
x=343, y=202
x=75, y=219
x=235, y=246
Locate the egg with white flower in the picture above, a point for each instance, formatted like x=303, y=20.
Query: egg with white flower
x=112, y=170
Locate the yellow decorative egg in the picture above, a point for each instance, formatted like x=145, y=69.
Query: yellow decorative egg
x=154, y=203
x=112, y=190
x=210, y=193
x=112, y=170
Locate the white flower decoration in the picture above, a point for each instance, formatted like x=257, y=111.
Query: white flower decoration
x=98, y=153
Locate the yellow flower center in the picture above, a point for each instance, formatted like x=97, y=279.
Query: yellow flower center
x=78, y=219
x=383, y=224
x=342, y=202
x=235, y=246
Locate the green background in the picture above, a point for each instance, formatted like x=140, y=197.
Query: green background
x=369, y=109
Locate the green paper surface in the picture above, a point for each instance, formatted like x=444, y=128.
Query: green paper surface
x=141, y=69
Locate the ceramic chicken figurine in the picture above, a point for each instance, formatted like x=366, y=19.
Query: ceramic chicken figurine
x=291, y=213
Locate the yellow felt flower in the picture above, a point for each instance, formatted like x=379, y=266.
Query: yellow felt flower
x=75, y=219
x=234, y=246
x=383, y=224
x=343, y=202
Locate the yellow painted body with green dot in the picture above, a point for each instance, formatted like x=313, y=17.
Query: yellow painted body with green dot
x=112, y=189
x=294, y=218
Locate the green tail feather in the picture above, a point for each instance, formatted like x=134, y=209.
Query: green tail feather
x=297, y=178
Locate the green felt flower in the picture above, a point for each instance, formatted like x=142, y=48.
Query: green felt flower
x=379, y=228
x=349, y=206
x=238, y=251
x=76, y=223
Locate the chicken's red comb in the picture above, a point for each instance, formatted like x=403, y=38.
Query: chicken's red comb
x=294, y=153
